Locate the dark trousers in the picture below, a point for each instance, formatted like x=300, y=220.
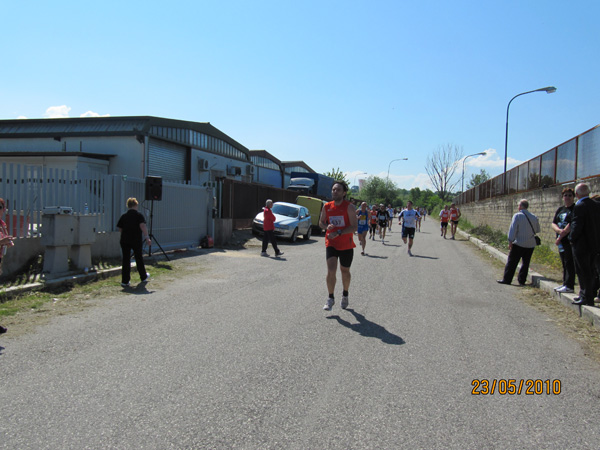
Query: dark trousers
x=517, y=253
x=269, y=236
x=568, y=264
x=587, y=265
x=139, y=262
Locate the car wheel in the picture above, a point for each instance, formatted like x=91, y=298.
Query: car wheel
x=308, y=233
x=294, y=235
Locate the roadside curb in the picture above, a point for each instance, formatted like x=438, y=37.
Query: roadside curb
x=592, y=314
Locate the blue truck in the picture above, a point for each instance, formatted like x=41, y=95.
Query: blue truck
x=311, y=184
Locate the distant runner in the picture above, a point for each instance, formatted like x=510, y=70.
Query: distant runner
x=444, y=218
x=454, y=216
x=409, y=221
x=373, y=223
x=363, y=225
x=382, y=220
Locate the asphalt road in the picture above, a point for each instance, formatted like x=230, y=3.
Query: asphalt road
x=241, y=355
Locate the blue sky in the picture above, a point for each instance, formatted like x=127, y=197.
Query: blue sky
x=348, y=84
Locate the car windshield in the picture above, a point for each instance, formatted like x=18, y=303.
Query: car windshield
x=284, y=210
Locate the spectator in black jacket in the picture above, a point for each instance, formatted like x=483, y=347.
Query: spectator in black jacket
x=585, y=238
x=132, y=226
x=562, y=226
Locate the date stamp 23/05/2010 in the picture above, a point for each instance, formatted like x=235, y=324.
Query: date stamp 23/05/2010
x=493, y=386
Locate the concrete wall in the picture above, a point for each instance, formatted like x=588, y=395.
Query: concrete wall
x=18, y=255
x=497, y=212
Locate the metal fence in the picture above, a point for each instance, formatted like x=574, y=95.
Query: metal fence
x=576, y=159
x=242, y=201
x=180, y=219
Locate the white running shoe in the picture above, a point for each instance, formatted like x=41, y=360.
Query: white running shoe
x=145, y=280
x=559, y=287
x=329, y=304
x=565, y=290
x=345, y=302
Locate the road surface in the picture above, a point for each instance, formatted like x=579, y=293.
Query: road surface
x=236, y=352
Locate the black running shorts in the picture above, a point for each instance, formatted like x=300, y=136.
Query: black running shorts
x=345, y=256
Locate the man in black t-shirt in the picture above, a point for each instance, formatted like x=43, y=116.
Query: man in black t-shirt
x=562, y=226
x=132, y=226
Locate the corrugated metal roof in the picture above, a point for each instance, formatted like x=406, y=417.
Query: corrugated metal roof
x=56, y=126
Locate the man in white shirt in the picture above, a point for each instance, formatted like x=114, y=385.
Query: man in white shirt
x=409, y=217
x=521, y=243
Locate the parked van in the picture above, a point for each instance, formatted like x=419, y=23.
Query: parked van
x=314, y=206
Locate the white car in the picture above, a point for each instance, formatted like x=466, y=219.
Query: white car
x=290, y=221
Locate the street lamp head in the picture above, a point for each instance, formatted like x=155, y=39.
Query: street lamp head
x=549, y=89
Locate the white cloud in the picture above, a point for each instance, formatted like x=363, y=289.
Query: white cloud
x=21, y=117
x=491, y=160
x=93, y=114
x=56, y=112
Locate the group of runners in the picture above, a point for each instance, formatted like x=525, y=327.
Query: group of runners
x=341, y=219
x=449, y=215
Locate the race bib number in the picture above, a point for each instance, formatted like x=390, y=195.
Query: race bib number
x=362, y=222
x=337, y=221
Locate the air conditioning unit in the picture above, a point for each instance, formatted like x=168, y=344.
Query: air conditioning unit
x=250, y=170
x=202, y=165
x=233, y=170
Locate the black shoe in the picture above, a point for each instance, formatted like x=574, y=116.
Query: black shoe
x=501, y=282
x=579, y=301
x=522, y=284
x=2, y=329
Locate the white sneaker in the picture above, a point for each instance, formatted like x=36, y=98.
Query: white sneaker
x=125, y=284
x=345, y=302
x=329, y=304
x=264, y=254
x=565, y=290
x=145, y=280
x=559, y=287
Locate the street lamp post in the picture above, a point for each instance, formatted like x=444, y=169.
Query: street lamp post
x=400, y=159
x=548, y=90
x=462, y=189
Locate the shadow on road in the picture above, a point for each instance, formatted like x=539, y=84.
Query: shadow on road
x=1, y=348
x=375, y=256
x=425, y=257
x=140, y=289
x=369, y=329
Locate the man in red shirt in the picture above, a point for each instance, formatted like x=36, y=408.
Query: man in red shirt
x=338, y=217
x=269, y=229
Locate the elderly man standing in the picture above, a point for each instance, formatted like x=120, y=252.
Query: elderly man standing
x=585, y=240
x=521, y=243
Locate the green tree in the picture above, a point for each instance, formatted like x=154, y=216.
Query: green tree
x=379, y=190
x=338, y=175
x=478, y=178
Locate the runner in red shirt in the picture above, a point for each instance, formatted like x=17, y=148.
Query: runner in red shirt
x=444, y=218
x=454, y=216
x=373, y=223
x=338, y=217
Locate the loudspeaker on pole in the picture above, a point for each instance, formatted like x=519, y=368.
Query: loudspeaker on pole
x=153, y=188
